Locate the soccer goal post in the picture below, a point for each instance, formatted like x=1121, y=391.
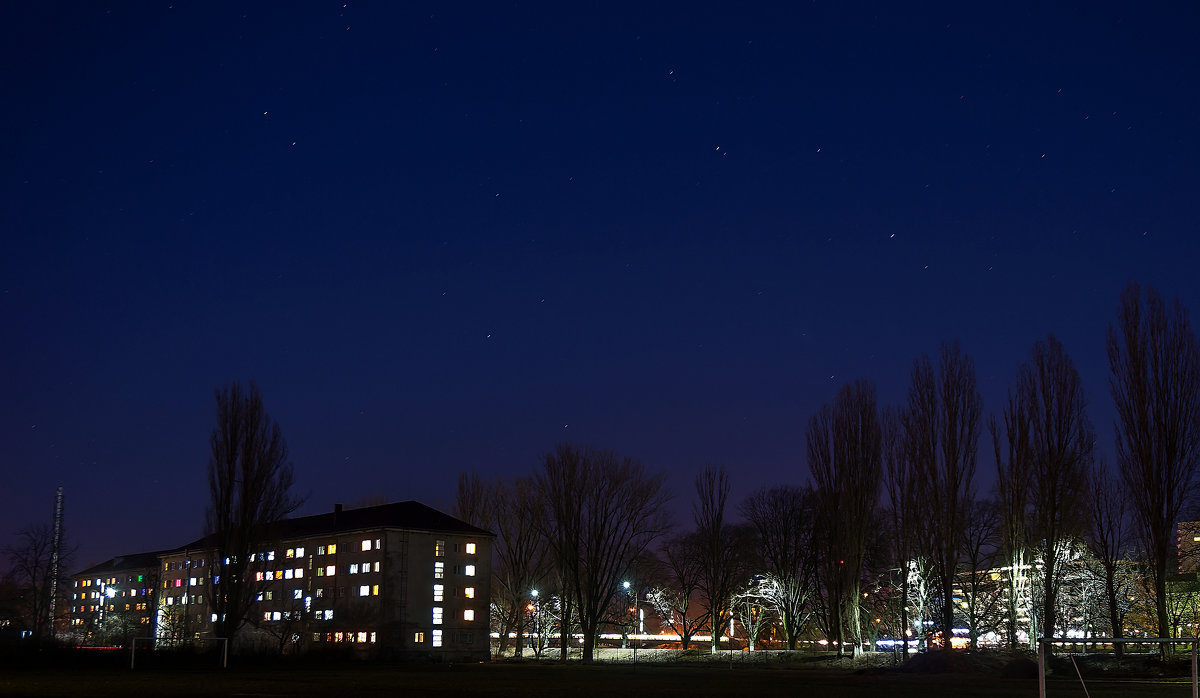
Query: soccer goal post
x=151, y=643
x=1044, y=642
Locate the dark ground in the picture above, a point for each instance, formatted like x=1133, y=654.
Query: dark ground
x=987, y=677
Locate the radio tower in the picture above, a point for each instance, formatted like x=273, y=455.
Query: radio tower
x=55, y=548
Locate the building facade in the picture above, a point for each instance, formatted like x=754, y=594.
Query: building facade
x=115, y=601
x=399, y=579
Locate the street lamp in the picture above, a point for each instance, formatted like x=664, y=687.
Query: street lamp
x=537, y=631
x=630, y=599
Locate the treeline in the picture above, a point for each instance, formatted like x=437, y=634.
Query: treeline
x=891, y=536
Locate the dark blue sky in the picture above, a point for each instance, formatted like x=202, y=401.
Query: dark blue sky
x=445, y=238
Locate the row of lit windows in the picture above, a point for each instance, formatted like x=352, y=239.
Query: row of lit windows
x=468, y=614
x=439, y=548
x=365, y=637
x=436, y=637
x=191, y=581
x=180, y=565
x=269, y=575
x=97, y=594
x=439, y=592
x=439, y=570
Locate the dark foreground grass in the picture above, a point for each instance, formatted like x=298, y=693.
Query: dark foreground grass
x=530, y=679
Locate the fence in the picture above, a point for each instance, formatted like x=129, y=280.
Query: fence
x=1044, y=642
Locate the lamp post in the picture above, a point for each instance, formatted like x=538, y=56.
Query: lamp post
x=537, y=630
x=627, y=627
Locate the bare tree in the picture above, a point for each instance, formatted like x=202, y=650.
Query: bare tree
x=721, y=573
x=1013, y=462
x=474, y=501
x=904, y=512
x=31, y=572
x=784, y=519
x=1107, y=538
x=249, y=482
x=520, y=550
x=1049, y=400
x=601, y=512
x=755, y=612
x=942, y=423
x=681, y=573
x=1155, y=383
x=980, y=599
x=845, y=458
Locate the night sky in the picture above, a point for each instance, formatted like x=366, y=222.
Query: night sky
x=447, y=237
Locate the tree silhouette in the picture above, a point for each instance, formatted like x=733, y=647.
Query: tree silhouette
x=1155, y=383
x=249, y=482
x=601, y=512
x=942, y=426
x=845, y=457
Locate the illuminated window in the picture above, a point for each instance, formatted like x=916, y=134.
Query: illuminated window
x=439, y=570
x=469, y=592
x=332, y=548
x=437, y=615
x=330, y=570
x=366, y=545
x=287, y=574
x=267, y=615
x=469, y=614
x=1196, y=539
x=438, y=592
x=378, y=543
x=320, y=550
x=354, y=568
x=374, y=590
x=291, y=553
x=270, y=554
x=320, y=571
x=469, y=570
x=337, y=637
x=319, y=593
x=299, y=552
x=296, y=593
x=470, y=548
x=418, y=637
x=299, y=573
x=258, y=576
x=437, y=638
x=376, y=566
x=439, y=548
x=270, y=595
x=362, y=637
x=364, y=590
x=276, y=615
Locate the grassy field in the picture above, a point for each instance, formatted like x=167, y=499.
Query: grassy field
x=531, y=679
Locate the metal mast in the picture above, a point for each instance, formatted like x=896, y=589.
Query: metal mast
x=56, y=547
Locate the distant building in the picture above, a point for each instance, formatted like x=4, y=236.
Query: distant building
x=393, y=580
x=115, y=601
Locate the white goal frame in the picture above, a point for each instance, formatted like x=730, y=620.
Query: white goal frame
x=1043, y=642
x=153, y=640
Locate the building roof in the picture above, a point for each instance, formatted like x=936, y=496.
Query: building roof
x=120, y=563
x=410, y=515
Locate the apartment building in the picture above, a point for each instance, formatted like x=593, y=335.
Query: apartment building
x=115, y=601
x=399, y=579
